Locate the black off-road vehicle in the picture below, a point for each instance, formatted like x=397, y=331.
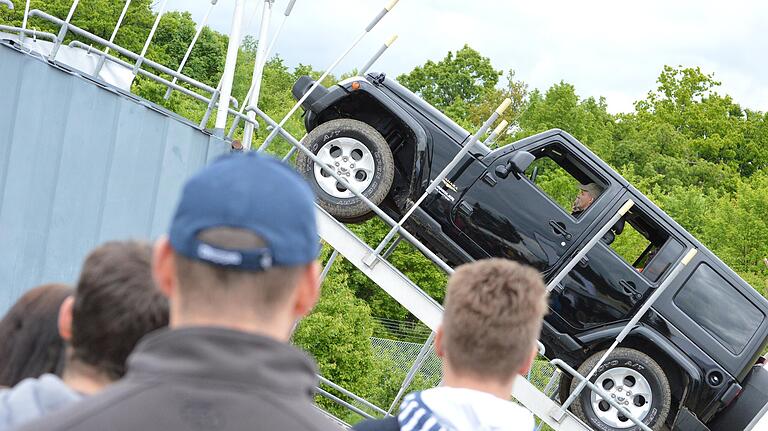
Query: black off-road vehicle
x=692, y=354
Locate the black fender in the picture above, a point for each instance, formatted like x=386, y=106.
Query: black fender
x=333, y=96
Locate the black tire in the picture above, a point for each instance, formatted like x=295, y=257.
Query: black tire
x=349, y=209
x=620, y=360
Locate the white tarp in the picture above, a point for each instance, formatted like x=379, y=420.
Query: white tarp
x=81, y=60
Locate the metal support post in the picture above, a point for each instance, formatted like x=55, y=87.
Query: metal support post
x=209, y=109
x=378, y=211
x=420, y=358
x=373, y=258
x=149, y=38
x=330, y=68
x=392, y=247
x=24, y=22
x=378, y=55
x=229, y=66
x=258, y=71
x=496, y=133
x=631, y=325
x=112, y=40
x=200, y=28
x=286, y=14
x=600, y=392
x=583, y=252
x=352, y=395
x=343, y=403
x=62, y=31
x=327, y=267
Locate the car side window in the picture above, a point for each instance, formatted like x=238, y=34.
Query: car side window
x=644, y=244
x=564, y=179
x=715, y=304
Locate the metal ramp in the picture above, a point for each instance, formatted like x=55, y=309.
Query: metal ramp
x=371, y=261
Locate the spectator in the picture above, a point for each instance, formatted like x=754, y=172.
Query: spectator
x=114, y=305
x=30, y=344
x=493, y=315
x=239, y=269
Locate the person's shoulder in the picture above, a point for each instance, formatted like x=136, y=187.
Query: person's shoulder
x=521, y=416
x=387, y=424
x=90, y=413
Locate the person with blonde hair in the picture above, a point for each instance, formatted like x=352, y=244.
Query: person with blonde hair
x=494, y=311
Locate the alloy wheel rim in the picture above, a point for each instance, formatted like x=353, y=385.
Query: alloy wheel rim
x=351, y=160
x=629, y=389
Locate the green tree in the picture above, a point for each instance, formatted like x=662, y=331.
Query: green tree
x=464, y=76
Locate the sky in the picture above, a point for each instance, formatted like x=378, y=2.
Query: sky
x=614, y=49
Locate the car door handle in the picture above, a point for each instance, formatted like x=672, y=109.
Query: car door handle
x=466, y=208
x=559, y=228
x=629, y=289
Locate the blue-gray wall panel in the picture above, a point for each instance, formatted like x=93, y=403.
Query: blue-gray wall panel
x=81, y=164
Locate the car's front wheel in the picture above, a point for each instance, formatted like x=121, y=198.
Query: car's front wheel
x=360, y=155
x=633, y=380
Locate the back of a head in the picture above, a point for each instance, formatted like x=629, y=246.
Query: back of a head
x=242, y=234
x=493, y=316
x=30, y=344
x=116, y=304
x=208, y=288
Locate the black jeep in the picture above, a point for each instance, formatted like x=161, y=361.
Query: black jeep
x=692, y=353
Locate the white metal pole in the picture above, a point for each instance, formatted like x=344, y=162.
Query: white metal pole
x=149, y=38
x=258, y=72
x=330, y=68
x=229, y=66
x=72, y=11
x=378, y=55
x=26, y=15
x=119, y=23
x=112, y=38
x=63, y=31
x=191, y=45
x=287, y=13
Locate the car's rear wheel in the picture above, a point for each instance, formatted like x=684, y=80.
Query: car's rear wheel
x=360, y=155
x=633, y=380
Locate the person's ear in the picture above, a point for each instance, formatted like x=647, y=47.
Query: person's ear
x=529, y=363
x=65, y=318
x=164, y=266
x=439, y=349
x=308, y=290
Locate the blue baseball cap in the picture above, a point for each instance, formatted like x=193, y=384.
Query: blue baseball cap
x=253, y=192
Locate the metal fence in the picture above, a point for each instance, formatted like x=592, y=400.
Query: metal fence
x=403, y=354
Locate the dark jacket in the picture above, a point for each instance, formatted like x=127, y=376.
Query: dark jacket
x=203, y=379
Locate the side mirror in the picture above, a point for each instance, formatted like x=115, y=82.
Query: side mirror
x=518, y=163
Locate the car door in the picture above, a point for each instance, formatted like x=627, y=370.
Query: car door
x=513, y=217
x=621, y=271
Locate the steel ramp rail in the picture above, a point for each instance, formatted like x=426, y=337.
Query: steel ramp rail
x=386, y=276
x=428, y=311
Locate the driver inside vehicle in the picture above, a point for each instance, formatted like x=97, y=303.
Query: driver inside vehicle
x=587, y=195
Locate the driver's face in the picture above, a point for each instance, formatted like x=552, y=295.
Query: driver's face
x=583, y=201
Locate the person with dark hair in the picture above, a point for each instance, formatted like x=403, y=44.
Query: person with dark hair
x=114, y=305
x=494, y=310
x=239, y=268
x=30, y=344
